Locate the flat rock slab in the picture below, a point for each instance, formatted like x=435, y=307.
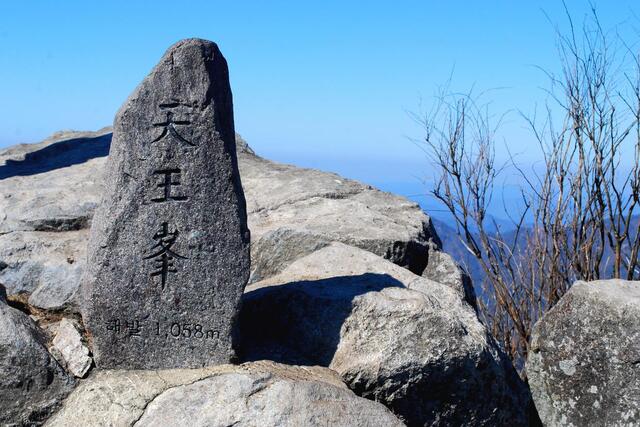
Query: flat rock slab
x=52, y=185
x=584, y=364
x=168, y=255
x=253, y=394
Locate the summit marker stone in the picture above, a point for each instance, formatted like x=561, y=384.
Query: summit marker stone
x=168, y=256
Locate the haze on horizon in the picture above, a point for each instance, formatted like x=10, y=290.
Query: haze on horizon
x=326, y=86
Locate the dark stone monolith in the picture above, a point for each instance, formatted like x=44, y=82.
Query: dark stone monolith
x=168, y=255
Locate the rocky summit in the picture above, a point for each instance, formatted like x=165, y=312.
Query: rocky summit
x=47, y=213
x=346, y=301
x=125, y=254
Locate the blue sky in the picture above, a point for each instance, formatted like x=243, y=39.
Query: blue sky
x=321, y=84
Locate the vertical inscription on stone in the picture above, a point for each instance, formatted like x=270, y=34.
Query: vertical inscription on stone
x=168, y=178
x=171, y=122
x=162, y=254
x=168, y=255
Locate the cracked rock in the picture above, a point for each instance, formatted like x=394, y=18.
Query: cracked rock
x=442, y=268
x=261, y=393
x=46, y=265
x=327, y=207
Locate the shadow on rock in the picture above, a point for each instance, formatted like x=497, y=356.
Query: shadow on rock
x=58, y=155
x=419, y=350
x=307, y=332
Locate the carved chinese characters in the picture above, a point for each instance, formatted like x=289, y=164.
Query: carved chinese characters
x=168, y=255
x=169, y=124
x=168, y=178
x=162, y=254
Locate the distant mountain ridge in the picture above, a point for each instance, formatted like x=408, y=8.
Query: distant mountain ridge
x=452, y=244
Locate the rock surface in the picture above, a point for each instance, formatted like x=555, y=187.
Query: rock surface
x=52, y=185
x=394, y=337
x=324, y=207
x=273, y=251
x=32, y=384
x=46, y=265
x=69, y=350
x=442, y=268
x=584, y=364
x=168, y=254
x=252, y=394
x=49, y=191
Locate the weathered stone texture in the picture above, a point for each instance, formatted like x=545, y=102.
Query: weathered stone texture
x=327, y=207
x=69, y=349
x=52, y=185
x=253, y=394
x=291, y=212
x=584, y=364
x=442, y=268
x=32, y=384
x=394, y=337
x=168, y=256
x=46, y=265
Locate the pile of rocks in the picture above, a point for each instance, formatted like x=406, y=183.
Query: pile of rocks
x=351, y=315
x=335, y=293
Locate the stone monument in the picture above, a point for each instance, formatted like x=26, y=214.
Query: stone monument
x=168, y=256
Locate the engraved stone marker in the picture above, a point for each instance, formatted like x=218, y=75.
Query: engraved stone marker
x=168, y=255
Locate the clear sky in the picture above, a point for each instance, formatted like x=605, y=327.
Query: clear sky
x=323, y=84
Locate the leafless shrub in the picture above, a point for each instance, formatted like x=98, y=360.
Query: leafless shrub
x=579, y=214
